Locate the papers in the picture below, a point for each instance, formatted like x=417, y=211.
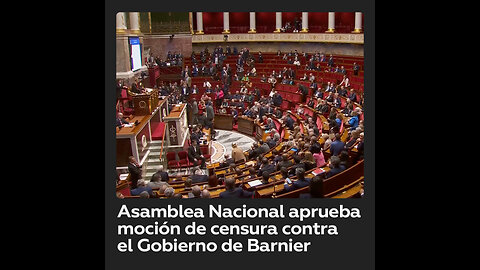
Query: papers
x=318, y=171
x=250, y=163
x=128, y=125
x=255, y=183
x=123, y=176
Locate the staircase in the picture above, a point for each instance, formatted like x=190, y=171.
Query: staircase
x=152, y=162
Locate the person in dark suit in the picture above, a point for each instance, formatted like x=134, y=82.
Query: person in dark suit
x=141, y=187
x=316, y=188
x=301, y=181
x=120, y=121
x=277, y=99
x=284, y=162
x=356, y=68
x=337, y=146
x=289, y=122
x=198, y=176
x=297, y=164
x=232, y=192
x=195, y=155
x=330, y=61
x=342, y=91
x=164, y=177
x=302, y=89
x=335, y=167
x=265, y=167
x=135, y=171
x=352, y=96
x=135, y=88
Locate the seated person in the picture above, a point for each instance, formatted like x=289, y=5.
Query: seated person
x=304, y=78
x=195, y=155
x=233, y=192
x=299, y=183
x=263, y=79
x=227, y=161
x=315, y=189
x=297, y=164
x=141, y=187
x=284, y=162
x=335, y=167
x=160, y=178
x=265, y=177
x=265, y=167
x=199, y=176
x=120, y=121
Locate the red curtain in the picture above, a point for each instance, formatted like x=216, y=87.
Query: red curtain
x=344, y=22
x=317, y=22
x=239, y=22
x=290, y=17
x=265, y=22
x=212, y=22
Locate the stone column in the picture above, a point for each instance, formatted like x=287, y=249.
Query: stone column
x=358, y=23
x=190, y=21
x=304, y=22
x=226, y=23
x=121, y=25
x=199, y=23
x=278, y=22
x=252, y=23
x=331, y=22
x=134, y=22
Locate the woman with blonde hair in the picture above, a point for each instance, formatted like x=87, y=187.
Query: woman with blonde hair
x=309, y=161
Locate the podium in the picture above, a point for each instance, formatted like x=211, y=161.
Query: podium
x=223, y=121
x=177, y=126
x=261, y=134
x=146, y=103
x=153, y=74
x=245, y=125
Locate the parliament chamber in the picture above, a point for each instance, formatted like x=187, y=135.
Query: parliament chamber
x=240, y=105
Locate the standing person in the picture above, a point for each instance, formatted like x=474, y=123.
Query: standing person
x=237, y=154
x=337, y=146
x=210, y=119
x=135, y=171
x=194, y=112
x=356, y=68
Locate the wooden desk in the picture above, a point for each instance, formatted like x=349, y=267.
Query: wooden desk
x=134, y=141
x=245, y=125
x=261, y=134
x=223, y=121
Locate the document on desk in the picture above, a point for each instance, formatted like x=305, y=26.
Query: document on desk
x=255, y=183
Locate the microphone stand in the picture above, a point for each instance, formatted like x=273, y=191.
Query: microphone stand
x=274, y=191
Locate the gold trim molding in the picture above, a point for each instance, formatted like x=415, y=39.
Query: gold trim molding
x=353, y=38
x=330, y=30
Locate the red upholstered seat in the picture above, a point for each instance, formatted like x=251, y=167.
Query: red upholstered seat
x=205, y=153
x=172, y=162
x=183, y=160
